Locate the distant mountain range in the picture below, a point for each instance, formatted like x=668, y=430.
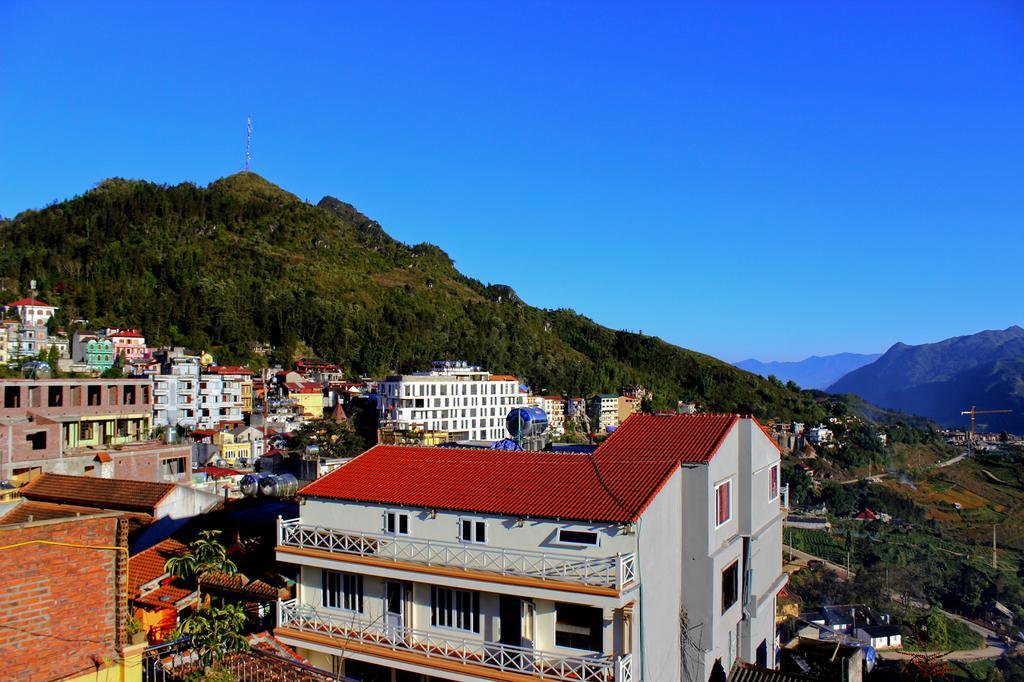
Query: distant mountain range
x=939, y=380
x=817, y=371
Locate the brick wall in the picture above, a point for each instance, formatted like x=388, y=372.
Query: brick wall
x=58, y=612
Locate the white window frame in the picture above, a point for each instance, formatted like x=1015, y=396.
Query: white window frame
x=475, y=521
x=728, y=518
x=452, y=614
x=778, y=481
x=355, y=596
x=398, y=515
x=576, y=543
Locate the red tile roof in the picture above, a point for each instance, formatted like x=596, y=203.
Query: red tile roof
x=125, y=334
x=540, y=484
x=691, y=438
x=105, y=493
x=501, y=377
x=147, y=566
x=304, y=387
x=29, y=301
x=227, y=369
x=29, y=510
x=216, y=472
x=614, y=484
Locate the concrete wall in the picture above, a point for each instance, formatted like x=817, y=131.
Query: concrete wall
x=114, y=397
x=539, y=535
x=655, y=635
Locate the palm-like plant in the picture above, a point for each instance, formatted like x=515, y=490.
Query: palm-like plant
x=204, y=555
x=216, y=631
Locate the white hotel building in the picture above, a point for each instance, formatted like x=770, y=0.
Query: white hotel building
x=649, y=559
x=466, y=401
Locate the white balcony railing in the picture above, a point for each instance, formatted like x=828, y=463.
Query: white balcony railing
x=618, y=571
x=544, y=665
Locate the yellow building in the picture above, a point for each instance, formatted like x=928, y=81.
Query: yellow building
x=247, y=395
x=308, y=395
x=628, y=405
x=229, y=449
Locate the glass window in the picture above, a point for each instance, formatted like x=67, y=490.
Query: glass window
x=458, y=609
x=723, y=502
x=342, y=591
x=578, y=537
x=396, y=523
x=730, y=585
x=473, y=530
x=578, y=627
x=773, y=482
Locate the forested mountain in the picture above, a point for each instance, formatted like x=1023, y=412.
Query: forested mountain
x=939, y=380
x=242, y=262
x=817, y=371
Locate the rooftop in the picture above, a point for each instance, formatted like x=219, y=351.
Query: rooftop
x=613, y=484
x=103, y=493
x=29, y=301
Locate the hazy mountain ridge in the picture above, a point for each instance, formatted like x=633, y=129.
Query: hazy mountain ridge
x=817, y=371
x=939, y=380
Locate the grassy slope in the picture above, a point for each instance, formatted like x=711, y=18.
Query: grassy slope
x=243, y=261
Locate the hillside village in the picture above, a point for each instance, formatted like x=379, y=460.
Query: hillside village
x=320, y=491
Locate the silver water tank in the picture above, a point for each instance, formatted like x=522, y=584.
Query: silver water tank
x=250, y=484
x=279, y=485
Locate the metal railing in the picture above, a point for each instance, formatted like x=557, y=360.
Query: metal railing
x=617, y=571
x=175, y=661
x=544, y=665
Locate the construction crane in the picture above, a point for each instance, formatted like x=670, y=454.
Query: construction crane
x=972, y=412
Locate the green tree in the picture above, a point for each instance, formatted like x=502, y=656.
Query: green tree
x=216, y=631
x=205, y=555
x=334, y=438
x=938, y=629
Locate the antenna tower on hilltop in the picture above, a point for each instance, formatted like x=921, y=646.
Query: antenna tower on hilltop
x=248, y=142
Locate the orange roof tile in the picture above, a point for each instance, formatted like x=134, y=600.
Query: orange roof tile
x=29, y=301
x=683, y=437
x=614, y=484
x=105, y=493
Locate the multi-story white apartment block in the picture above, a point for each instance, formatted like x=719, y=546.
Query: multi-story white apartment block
x=176, y=391
x=554, y=408
x=466, y=401
x=603, y=410
x=649, y=559
x=220, y=394
x=33, y=312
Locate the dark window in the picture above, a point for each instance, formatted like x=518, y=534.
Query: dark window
x=472, y=530
x=93, y=396
x=577, y=537
x=12, y=396
x=37, y=439
x=396, y=523
x=730, y=585
x=55, y=396
x=174, y=466
x=129, y=395
x=342, y=591
x=578, y=627
x=459, y=609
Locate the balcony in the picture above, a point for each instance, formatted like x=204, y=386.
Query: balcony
x=615, y=573
x=371, y=636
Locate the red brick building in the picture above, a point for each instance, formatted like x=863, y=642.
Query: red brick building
x=64, y=604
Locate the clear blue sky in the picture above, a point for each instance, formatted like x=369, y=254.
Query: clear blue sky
x=745, y=179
